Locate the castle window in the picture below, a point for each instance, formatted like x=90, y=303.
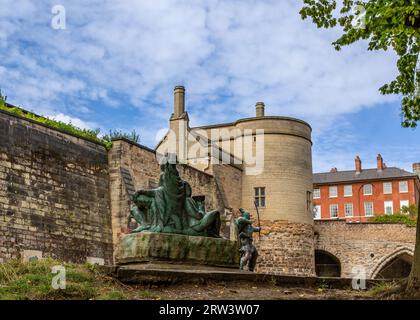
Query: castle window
x=309, y=201
x=260, y=197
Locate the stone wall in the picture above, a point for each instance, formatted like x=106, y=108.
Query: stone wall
x=285, y=248
x=54, y=196
x=370, y=245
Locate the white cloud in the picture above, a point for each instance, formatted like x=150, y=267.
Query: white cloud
x=75, y=121
x=229, y=54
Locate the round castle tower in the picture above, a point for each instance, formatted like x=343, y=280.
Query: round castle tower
x=283, y=191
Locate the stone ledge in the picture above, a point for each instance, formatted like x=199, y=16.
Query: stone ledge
x=177, y=249
x=147, y=274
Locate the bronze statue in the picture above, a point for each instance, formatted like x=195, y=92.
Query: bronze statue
x=170, y=207
x=248, y=251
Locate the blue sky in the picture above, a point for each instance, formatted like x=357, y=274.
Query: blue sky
x=116, y=63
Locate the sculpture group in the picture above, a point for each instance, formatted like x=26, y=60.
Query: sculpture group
x=170, y=208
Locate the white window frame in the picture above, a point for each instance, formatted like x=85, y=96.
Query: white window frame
x=351, y=190
x=385, y=191
x=388, y=204
x=336, y=191
x=399, y=186
x=317, y=212
x=406, y=203
x=371, y=189
x=348, y=205
x=365, y=206
x=333, y=206
x=317, y=193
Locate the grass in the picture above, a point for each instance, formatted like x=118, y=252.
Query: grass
x=33, y=280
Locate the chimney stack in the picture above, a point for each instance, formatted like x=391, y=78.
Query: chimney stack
x=416, y=168
x=260, y=109
x=333, y=170
x=380, y=163
x=179, y=101
x=358, y=163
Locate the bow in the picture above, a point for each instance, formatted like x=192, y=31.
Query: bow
x=258, y=216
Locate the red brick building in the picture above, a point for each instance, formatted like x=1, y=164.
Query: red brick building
x=359, y=194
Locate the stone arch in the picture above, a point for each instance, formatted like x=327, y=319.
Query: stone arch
x=327, y=264
x=389, y=258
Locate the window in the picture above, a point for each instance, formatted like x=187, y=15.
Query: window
x=260, y=197
x=348, y=191
x=333, y=192
x=388, y=207
x=404, y=203
x=348, y=209
x=403, y=186
x=317, y=212
x=368, y=209
x=317, y=193
x=334, y=210
x=367, y=189
x=308, y=201
x=387, y=187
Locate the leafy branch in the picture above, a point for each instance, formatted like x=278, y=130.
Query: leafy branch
x=385, y=24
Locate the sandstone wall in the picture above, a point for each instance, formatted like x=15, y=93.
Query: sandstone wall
x=54, y=196
x=285, y=248
x=370, y=245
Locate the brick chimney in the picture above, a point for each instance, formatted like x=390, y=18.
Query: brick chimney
x=380, y=163
x=416, y=168
x=358, y=164
x=260, y=109
x=333, y=170
x=179, y=101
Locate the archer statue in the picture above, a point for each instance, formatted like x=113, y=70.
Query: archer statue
x=247, y=249
x=170, y=208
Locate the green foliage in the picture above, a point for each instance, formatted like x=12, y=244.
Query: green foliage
x=395, y=218
x=387, y=24
x=69, y=127
x=412, y=211
x=118, y=134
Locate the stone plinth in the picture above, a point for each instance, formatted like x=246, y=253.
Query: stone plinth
x=146, y=247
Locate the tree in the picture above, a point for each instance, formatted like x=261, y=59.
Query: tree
x=385, y=25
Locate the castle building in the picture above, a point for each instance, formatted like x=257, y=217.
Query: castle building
x=274, y=156
x=360, y=194
x=67, y=196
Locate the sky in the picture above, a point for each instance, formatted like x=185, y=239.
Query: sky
x=115, y=64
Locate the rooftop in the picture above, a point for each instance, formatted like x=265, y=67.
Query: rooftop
x=365, y=174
